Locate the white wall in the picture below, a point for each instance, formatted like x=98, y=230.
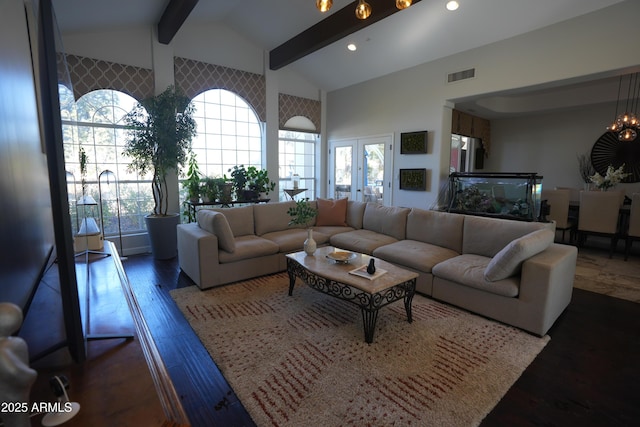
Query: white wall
x=418, y=98
x=549, y=144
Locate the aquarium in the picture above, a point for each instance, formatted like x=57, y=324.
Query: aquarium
x=502, y=195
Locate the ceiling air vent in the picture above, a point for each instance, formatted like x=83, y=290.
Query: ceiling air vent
x=461, y=75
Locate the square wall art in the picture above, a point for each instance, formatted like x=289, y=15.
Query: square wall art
x=413, y=179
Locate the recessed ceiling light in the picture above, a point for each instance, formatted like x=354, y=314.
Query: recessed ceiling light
x=452, y=5
x=352, y=47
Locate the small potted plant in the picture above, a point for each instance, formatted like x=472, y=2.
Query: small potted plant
x=240, y=178
x=259, y=181
x=210, y=190
x=302, y=213
x=192, y=183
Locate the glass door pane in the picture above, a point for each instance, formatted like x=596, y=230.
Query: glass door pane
x=371, y=174
x=361, y=169
x=342, y=171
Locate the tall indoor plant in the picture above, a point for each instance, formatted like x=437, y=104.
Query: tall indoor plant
x=160, y=130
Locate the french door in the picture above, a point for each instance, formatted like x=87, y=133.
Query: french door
x=361, y=169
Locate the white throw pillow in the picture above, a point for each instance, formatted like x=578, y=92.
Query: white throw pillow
x=508, y=261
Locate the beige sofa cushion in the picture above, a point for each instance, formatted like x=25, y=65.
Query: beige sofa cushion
x=331, y=212
x=469, y=270
x=293, y=240
x=216, y=223
x=508, y=261
x=438, y=228
x=271, y=217
x=363, y=241
x=487, y=236
x=355, y=211
x=240, y=219
x=248, y=246
x=389, y=220
x=420, y=256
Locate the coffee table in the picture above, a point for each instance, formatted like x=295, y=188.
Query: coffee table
x=332, y=278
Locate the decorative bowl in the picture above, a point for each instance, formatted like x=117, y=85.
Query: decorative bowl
x=341, y=257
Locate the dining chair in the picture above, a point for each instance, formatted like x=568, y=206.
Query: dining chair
x=599, y=213
x=633, y=233
x=558, y=201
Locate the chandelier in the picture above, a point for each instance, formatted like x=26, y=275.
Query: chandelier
x=363, y=9
x=627, y=124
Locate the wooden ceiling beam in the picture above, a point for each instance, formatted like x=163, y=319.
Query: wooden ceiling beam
x=173, y=17
x=331, y=29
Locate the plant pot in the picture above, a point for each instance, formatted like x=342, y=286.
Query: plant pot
x=225, y=192
x=163, y=235
x=248, y=195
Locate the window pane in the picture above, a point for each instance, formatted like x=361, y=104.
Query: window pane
x=224, y=141
x=297, y=156
x=96, y=127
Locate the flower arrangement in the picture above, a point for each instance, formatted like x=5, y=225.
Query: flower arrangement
x=610, y=179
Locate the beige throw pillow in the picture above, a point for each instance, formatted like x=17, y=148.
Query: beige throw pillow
x=508, y=261
x=216, y=223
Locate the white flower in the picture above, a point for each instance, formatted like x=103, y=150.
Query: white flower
x=611, y=178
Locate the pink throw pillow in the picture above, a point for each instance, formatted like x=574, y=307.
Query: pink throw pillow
x=332, y=212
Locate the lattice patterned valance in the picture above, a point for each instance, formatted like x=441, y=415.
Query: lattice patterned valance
x=88, y=74
x=474, y=127
x=291, y=106
x=194, y=77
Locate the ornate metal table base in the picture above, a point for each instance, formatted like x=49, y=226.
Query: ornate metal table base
x=369, y=303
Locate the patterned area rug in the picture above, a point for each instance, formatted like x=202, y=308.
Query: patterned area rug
x=302, y=360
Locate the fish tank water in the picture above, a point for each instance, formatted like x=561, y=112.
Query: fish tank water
x=503, y=195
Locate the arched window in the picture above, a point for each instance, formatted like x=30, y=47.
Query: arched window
x=297, y=152
x=229, y=133
x=94, y=123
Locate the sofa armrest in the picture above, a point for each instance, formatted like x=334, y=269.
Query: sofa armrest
x=197, y=254
x=546, y=286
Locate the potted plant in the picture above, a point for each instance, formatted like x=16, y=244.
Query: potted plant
x=259, y=181
x=302, y=214
x=160, y=130
x=240, y=176
x=225, y=189
x=192, y=183
x=209, y=189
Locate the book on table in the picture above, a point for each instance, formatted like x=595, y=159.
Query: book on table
x=362, y=272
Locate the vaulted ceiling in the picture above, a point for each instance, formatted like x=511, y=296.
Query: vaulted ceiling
x=424, y=32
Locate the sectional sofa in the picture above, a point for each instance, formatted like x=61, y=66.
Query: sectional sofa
x=510, y=271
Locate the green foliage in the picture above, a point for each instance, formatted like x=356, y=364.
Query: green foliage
x=192, y=183
x=302, y=213
x=83, y=159
x=160, y=139
x=239, y=179
x=250, y=178
x=259, y=180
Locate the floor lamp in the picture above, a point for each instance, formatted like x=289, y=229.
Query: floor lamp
x=109, y=192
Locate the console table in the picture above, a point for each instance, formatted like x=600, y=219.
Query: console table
x=292, y=192
x=192, y=206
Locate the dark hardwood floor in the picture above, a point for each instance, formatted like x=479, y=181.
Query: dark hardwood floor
x=588, y=374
